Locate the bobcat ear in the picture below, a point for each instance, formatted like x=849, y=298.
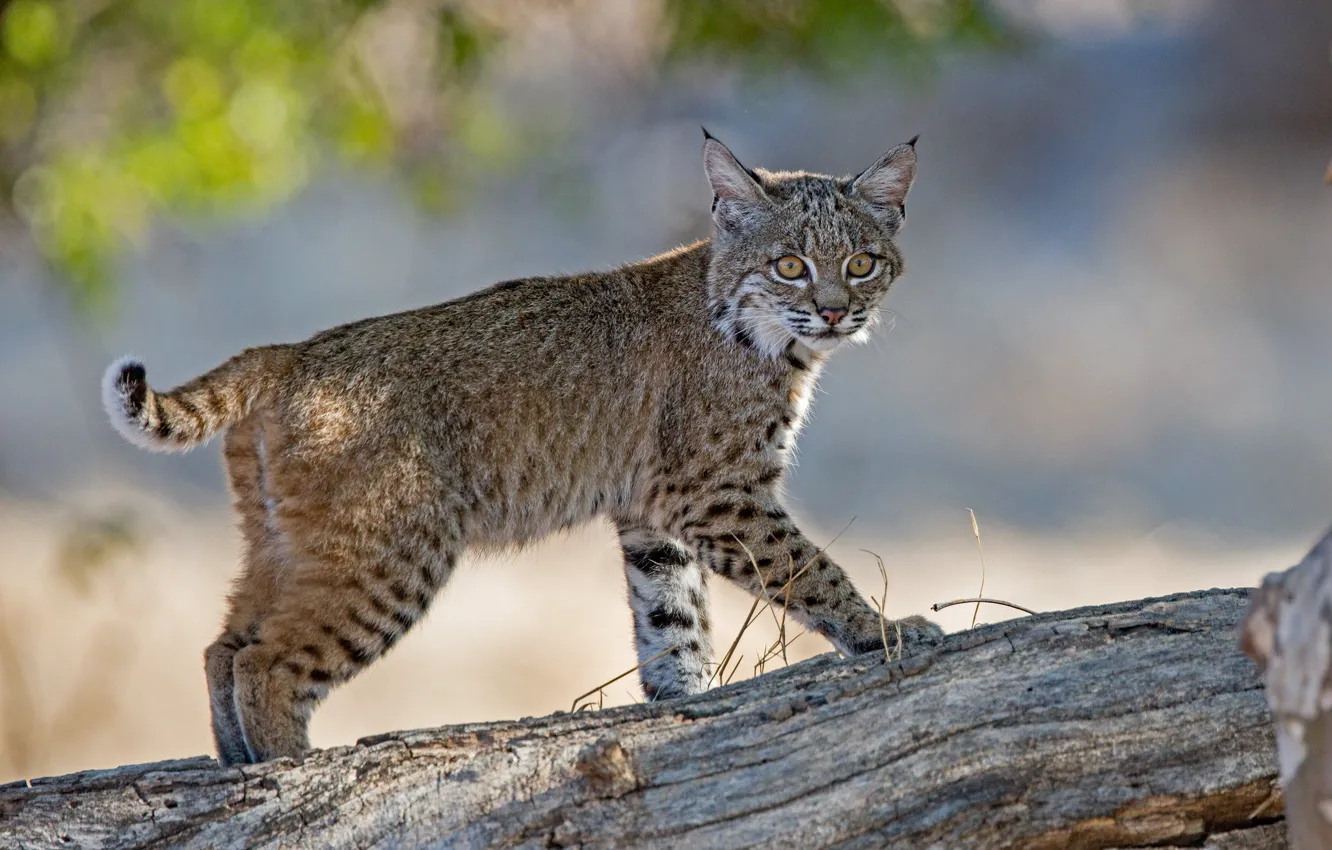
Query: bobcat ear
x=886, y=182
x=730, y=180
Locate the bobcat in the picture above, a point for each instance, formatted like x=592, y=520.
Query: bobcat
x=665, y=395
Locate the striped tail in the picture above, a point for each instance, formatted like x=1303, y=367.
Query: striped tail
x=191, y=413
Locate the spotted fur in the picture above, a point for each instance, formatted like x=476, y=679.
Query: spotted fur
x=665, y=395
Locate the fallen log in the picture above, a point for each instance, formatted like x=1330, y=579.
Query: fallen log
x=1128, y=725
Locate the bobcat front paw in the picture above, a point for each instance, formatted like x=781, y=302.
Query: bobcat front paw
x=914, y=630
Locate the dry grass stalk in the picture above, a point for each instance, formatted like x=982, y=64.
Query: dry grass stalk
x=726, y=659
x=781, y=628
x=761, y=665
x=600, y=690
x=975, y=529
x=770, y=652
x=883, y=627
x=763, y=588
x=778, y=645
x=763, y=596
x=733, y=669
x=793, y=574
x=1266, y=804
x=718, y=673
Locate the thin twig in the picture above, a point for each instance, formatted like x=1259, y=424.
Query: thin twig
x=975, y=529
x=602, y=687
x=939, y=606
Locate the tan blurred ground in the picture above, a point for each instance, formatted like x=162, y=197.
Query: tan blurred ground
x=112, y=674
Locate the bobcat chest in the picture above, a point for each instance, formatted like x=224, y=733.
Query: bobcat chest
x=782, y=414
x=780, y=435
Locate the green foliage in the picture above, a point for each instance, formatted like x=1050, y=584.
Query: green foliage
x=832, y=36
x=114, y=111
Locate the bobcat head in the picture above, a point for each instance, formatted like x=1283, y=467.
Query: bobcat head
x=801, y=257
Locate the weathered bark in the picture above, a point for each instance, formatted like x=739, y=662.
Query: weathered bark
x=1128, y=725
x=1289, y=632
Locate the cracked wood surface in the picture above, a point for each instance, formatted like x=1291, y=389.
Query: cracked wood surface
x=1128, y=725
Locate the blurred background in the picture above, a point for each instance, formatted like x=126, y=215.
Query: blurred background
x=1113, y=343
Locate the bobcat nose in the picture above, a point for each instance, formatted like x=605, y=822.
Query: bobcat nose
x=832, y=315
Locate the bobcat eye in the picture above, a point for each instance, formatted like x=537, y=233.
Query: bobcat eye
x=790, y=267
x=861, y=265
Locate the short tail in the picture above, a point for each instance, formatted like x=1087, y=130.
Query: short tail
x=191, y=413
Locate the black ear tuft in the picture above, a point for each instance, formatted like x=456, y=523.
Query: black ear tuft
x=912, y=141
x=706, y=134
